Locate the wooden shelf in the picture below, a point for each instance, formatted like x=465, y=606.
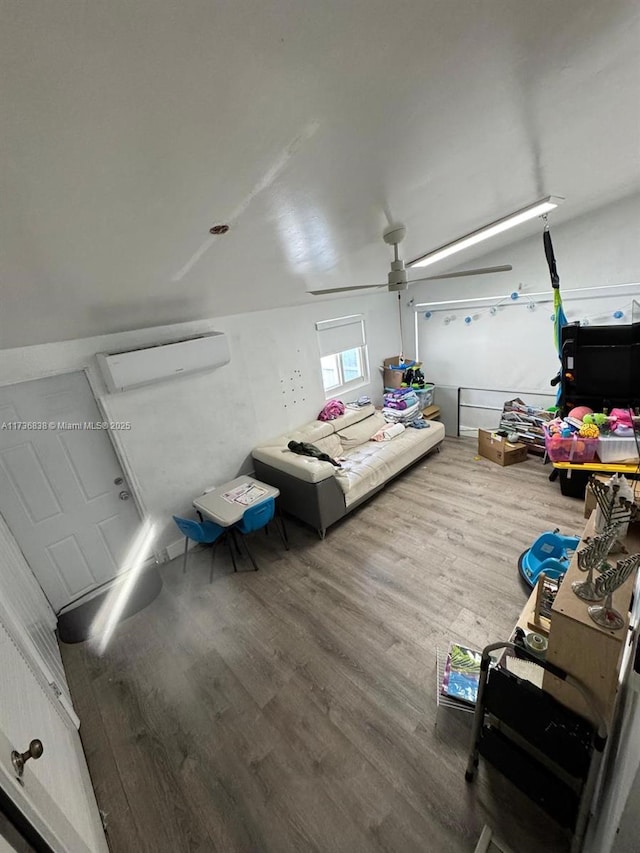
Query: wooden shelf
x=580, y=646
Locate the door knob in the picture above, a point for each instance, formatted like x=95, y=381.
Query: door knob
x=19, y=759
x=124, y=495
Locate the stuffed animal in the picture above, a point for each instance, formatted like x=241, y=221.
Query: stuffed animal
x=598, y=418
x=588, y=430
x=621, y=421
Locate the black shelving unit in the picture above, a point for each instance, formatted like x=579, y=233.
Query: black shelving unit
x=600, y=367
x=548, y=751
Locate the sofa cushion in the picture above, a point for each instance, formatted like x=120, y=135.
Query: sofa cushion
x=356, y=434
x=370, y=465
x=331, y=444
x=311, y=432
x=352, y=416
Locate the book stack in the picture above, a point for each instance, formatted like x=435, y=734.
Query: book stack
x=528, y=422
x=459, y=677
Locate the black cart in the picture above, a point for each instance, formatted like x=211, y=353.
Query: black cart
x=548, y=751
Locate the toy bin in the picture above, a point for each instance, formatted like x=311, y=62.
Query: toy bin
x=612, y=448
x=570, y=449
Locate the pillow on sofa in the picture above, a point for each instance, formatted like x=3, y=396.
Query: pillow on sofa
x=357, y=434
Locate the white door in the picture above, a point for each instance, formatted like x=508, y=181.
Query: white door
x=62, y=491
x=54, y=792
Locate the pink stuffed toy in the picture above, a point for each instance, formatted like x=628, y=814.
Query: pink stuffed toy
x=621, y=421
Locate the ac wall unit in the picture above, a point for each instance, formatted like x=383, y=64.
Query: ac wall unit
x=125, y=370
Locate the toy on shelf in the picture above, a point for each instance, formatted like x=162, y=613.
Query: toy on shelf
x=589, y=431
x=564, y=441
x=620, y=422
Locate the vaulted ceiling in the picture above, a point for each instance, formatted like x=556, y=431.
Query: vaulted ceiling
x=130, y=128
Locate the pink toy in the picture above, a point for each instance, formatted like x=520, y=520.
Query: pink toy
x=621, y=421
x=578, y=412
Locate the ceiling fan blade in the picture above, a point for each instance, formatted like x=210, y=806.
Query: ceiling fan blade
x=461, y=273
x=344, y=289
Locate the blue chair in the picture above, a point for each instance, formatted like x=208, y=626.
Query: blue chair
x=206, y=532
x=255, y=518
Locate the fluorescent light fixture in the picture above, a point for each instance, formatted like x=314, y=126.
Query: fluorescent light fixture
x=530, y=212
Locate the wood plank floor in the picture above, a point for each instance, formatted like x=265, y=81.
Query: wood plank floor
x=294, y=709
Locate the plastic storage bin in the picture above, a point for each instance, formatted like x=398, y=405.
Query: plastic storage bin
x=425, y=395
x=570, y=449
x=613, y=448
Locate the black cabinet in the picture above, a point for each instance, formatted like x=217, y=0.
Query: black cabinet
x=600, y=367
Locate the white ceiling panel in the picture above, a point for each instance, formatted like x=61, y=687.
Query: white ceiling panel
x=128, y=129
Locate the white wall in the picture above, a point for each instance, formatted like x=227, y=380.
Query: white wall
x=196, y=431
x=514, y=350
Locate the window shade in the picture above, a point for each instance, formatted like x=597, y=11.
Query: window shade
x=340, y=334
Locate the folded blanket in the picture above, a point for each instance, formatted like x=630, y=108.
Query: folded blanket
x=405, y=416
x=407, y=399
x=388, y=432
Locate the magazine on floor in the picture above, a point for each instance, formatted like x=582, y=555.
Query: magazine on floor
x=461, y=674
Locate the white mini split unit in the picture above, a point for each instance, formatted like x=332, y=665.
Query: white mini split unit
x=125, y=370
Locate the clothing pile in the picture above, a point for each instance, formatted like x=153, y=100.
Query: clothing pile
x=331, y=410
x=401, y=406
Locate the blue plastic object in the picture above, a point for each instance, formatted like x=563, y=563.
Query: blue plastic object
x=206, y=532
x=198, y=531
x=257, y=516
x=548, y=554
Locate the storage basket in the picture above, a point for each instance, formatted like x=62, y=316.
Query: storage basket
x=574, y=449
x=613, y=448
x=425, y=395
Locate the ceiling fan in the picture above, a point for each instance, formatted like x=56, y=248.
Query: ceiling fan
x=398, y=278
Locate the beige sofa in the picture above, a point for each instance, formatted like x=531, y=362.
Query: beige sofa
x=319, y=493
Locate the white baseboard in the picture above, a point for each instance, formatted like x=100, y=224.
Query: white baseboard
x=176, y=549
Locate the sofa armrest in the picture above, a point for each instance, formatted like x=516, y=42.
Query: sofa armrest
x=318, y=504
x=305, y=468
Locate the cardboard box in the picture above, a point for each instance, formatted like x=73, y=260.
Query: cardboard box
x=392, y=378
x=499, y=450
x=431, y=413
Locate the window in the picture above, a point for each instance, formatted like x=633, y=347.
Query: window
x=343, y=354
